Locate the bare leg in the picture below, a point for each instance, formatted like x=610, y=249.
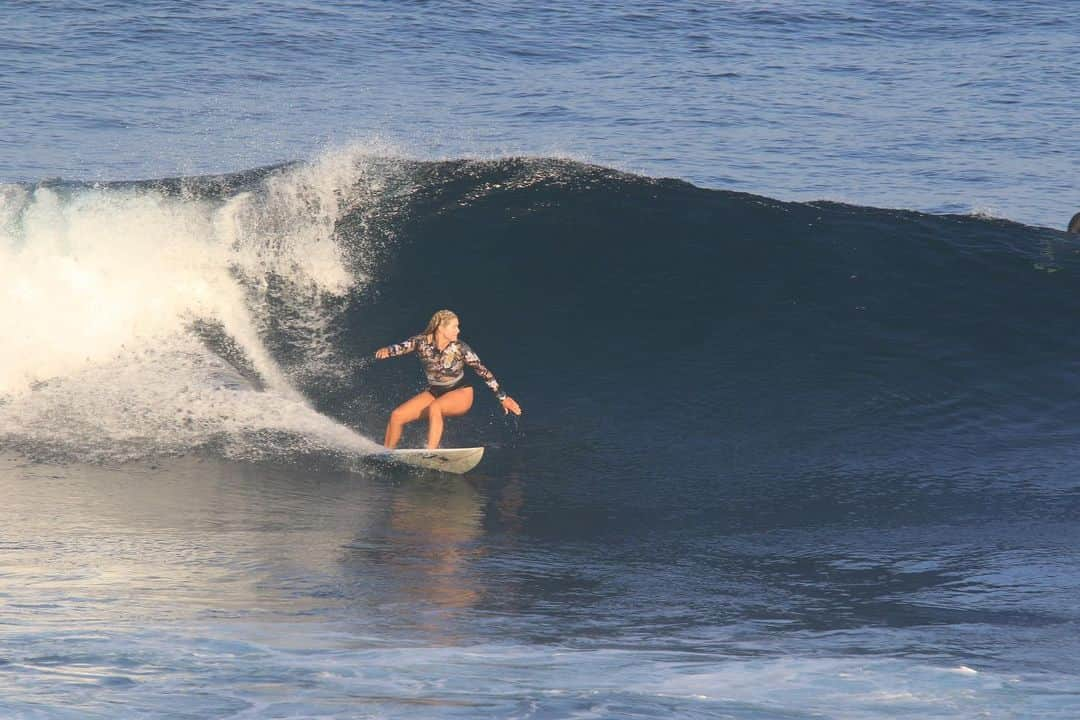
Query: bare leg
x=405, y=413
x=451, y=404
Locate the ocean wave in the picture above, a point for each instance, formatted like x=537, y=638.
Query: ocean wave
x=644, y=313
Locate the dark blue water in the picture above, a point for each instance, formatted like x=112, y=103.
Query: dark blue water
x=778, y=459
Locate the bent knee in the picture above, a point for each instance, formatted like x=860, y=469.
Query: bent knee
x=400, y=417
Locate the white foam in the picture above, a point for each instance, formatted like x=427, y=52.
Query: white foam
x=99, y=288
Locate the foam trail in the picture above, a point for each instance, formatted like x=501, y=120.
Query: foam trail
x=168, y=400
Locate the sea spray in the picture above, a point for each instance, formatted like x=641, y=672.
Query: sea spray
x=107, y=291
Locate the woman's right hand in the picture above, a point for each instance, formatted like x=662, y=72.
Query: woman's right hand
x=382, y=353
x=510, y=405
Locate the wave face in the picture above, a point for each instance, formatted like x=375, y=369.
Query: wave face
x=651, y=329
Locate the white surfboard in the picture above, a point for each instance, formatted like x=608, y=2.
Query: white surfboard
x=451, y=460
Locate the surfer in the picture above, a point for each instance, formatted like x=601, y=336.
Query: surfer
x=1074, y=224
x=444, y=358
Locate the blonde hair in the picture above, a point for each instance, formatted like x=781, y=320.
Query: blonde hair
x=437, y=320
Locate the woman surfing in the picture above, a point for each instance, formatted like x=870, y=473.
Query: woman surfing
x=444, y=358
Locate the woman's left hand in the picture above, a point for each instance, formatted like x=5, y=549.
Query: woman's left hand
x=510, y=405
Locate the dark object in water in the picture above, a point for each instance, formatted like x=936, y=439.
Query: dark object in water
x=1074, y=224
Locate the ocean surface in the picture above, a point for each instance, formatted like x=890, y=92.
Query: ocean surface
x=781, y=288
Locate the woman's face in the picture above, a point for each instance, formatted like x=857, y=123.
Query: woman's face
x=450, y=329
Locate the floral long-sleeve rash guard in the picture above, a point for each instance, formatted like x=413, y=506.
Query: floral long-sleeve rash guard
x=446, y=367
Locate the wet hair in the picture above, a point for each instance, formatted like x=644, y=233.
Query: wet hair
x=437, y=320
x=1074, y=224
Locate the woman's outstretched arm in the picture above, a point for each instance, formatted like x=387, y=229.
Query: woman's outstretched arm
x=402, y=348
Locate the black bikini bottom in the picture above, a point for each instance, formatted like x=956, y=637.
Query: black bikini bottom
x=440, y=390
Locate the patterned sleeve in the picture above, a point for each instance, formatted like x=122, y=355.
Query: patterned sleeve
x=486, y=375
x=403, y=348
